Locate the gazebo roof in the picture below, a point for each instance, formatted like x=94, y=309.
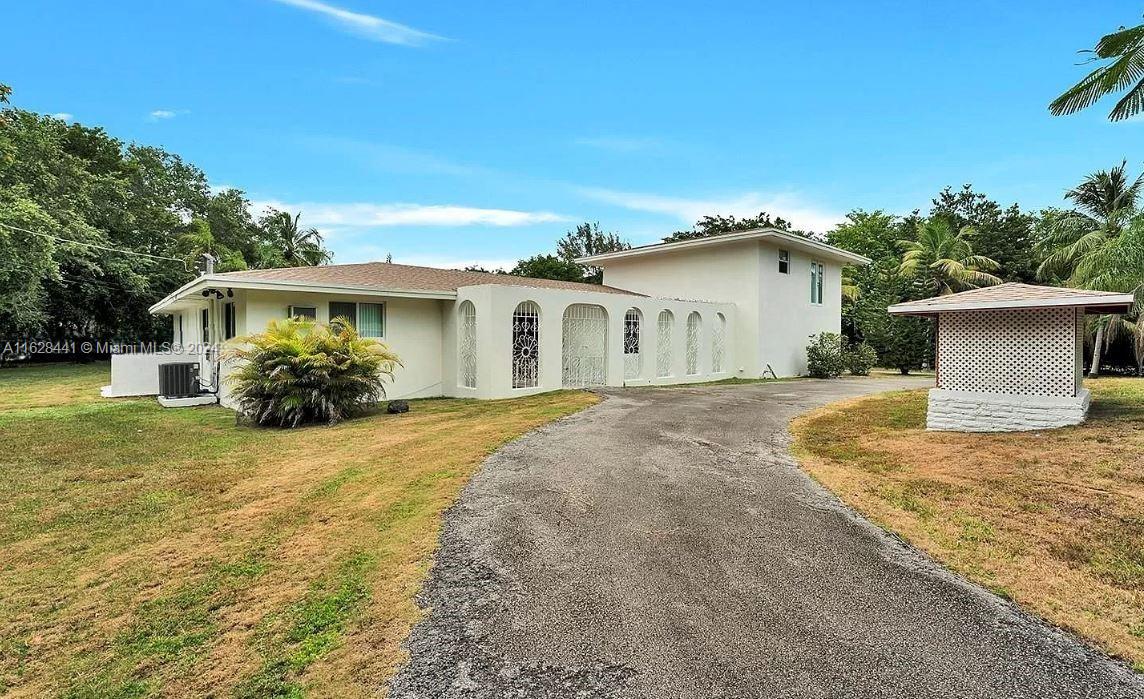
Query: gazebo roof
x=1015, y=295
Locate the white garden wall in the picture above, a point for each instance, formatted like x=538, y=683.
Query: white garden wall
x=495, y=305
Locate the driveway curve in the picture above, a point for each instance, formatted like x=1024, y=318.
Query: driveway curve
x=664, y=543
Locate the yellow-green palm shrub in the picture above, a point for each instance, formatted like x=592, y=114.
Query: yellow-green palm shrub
x=299, y=371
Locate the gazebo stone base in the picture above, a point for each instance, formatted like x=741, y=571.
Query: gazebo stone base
x=964, y=411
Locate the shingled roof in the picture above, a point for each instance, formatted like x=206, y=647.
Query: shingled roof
x=1016, y=295
x=389, y=276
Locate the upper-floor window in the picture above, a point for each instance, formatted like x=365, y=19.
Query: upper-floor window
x=784, y=262
x=816, y=282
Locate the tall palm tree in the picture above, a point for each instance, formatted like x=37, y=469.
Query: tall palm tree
x=1124, y=51
x=299, y=247
x=1099, y=244
x=942, y=262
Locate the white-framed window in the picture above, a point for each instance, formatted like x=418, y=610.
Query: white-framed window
x=368, y=318
x=307, y=312
x=784, y=261
x=816, y=274
x=206, y=318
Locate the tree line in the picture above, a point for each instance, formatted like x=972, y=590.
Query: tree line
x=93, y=231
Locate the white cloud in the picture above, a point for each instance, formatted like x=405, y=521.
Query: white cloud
x=366, y=214
x=160, y=114
x=620, y=144
x=63, y=116
x=689, y=210
x=367, y=26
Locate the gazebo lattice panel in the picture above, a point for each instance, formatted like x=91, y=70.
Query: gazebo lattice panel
x=1026, y=352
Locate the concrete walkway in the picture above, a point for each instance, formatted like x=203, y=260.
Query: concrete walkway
x=665, y=544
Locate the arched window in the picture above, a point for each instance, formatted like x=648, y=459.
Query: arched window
x=633, y=361
x=719, y=344
x=665, y=327
x=584, y=360
x=526, y=345
x=694, y=329
x=467, y=345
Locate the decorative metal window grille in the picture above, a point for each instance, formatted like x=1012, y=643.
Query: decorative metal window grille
x=694, y=325
x=718, y=344
x=1013, y=352
x=467, y=344
x=526, y=345
x=665, y=327
x=585, y=346
x=633, y=360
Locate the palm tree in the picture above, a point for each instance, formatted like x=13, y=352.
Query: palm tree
x=1125, y=71
x=1099, y=244
x=298, y=247
x=942, y=262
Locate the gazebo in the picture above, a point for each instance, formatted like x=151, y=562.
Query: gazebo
x=1010, y=357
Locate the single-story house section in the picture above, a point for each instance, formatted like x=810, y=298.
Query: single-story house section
x=1010, y=357
x=697, y=310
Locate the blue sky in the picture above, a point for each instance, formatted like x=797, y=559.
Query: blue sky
x=448, y=133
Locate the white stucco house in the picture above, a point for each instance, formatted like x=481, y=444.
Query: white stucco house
x=1010, y=357
x=697, y=310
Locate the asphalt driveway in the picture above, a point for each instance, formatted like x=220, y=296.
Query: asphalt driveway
x=665, y=544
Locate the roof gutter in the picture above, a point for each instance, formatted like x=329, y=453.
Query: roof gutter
x=1108, y=303
x=205, y=281
x=797, y=241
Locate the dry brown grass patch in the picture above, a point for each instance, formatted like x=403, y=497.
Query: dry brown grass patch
x=1052, y=519
x=151, y=552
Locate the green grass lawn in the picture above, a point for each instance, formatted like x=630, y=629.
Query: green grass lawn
x=168, y=552
x=1053, y=519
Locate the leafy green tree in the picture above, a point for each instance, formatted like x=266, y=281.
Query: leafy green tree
x=718, y=225
x=909, y=343
x=870, y=289
x=198, y=239
x=942, y=262
x=1099, y=244
x=1104, y=203
x=1122, y=54
x=585, y=240
x=549, y=267
x=1004, y=235
x=298, y=247
x=228, y=215
x=25, y=259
